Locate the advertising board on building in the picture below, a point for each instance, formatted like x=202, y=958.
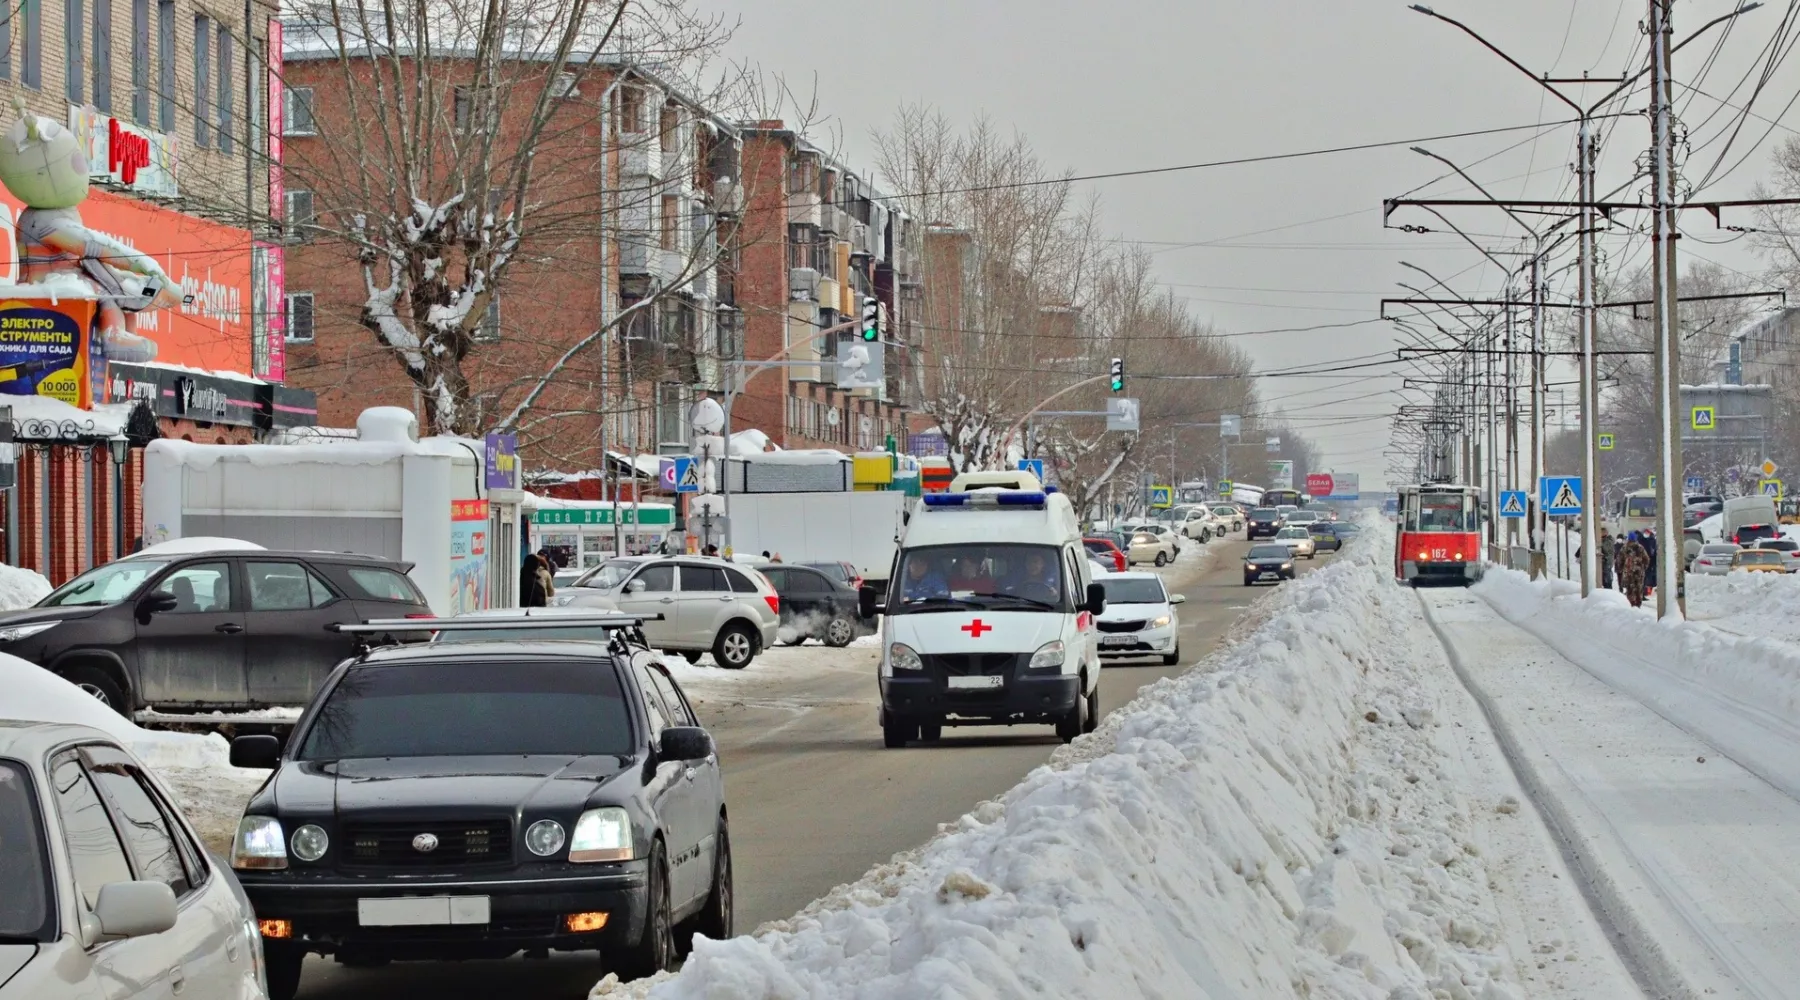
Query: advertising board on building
x=119, y=152
x=468, y=555
x=501, y=461
x=1281, y=474
x=44, y=349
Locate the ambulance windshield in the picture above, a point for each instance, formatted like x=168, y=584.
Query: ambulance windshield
x=954, y=577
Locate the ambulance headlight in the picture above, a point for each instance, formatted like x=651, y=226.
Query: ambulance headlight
x=1049, y=655
x=902, y=657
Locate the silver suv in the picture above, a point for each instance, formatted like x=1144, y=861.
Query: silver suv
x=707, y=605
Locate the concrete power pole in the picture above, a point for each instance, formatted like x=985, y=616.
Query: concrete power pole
x=1587, y=151
x=1537, y=532
x=1664, y=275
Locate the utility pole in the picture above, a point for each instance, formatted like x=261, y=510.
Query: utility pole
x=1587, y=151
x=1535, y=533
x=1668, y=340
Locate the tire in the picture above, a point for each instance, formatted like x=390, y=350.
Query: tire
x=1093, y=711
x=1173, y=658
x=931, y=732
x=840, y=632
x=1074, y=723
x=656, y=950
x=715, y=918
x=795, y=641
x=735, y=647
x=281, y=965
x=1162, y=558
x=897, y=733
x=100, y=685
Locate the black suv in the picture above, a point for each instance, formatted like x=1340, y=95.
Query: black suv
x=209, y=630
x=1264, y=523
x=814, y=605
x=473, y=799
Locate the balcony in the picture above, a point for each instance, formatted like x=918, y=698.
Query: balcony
x=635, y=249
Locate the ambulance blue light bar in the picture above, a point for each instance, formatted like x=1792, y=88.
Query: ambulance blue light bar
x=1028, y=499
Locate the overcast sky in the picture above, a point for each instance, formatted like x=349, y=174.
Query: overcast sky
x=1130, y=84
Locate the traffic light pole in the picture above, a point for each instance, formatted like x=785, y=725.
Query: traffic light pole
x=1006, y=441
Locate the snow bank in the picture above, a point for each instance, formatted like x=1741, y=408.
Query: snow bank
x=21, y=588
x=1275, y=823
x=1750, y=604
x=197, y=769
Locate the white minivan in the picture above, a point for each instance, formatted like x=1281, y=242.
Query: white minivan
x=989, y=618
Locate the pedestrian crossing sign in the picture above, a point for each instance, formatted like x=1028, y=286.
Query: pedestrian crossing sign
x=1772, y=488
x=1703, y=418
x=1162, y=497
x=687, y=474
x=1560, y=495
x=1606, y=442
x=1650, y=481
x=1512, y=503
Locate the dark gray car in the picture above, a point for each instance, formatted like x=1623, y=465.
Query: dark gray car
x=223, y=630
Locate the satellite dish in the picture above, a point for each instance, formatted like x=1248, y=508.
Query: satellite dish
x=707, y=417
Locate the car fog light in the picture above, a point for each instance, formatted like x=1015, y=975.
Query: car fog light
x=544, y=838
x=310, y=842
x=584, y=923
x=275, y=929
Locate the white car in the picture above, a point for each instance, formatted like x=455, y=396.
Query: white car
x=1299, y=541
x=1299, y=519
x=1139, y=619
x=1789, y=549
x=706, y=604
x=1714, y=559
x=1200, y=525
x=1152, y=543
x=105, y=890
x=1229, y=516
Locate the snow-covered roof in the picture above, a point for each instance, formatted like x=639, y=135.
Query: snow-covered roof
x=54, y=418
x=196, y=455
x=801, y=456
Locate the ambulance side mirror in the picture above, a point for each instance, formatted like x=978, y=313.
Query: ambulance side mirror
x=866, y=601
x=1096, y=599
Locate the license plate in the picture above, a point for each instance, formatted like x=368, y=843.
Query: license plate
x=1119, y=640
x=418, y=911
x=982, y=683
x=1268, y=576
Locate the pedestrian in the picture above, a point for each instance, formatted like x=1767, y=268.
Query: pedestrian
x=1605, y=560
x=531, y=583
x=1649, y=541
x=1633, y=561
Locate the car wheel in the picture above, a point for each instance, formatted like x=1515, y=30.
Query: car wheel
x=839, y=632
x=735, y=647
x=1074, y=722
x=896, y=732
x=281, y=966
x=655, y=951
x=1162, y=559
x=1173, y=658
x=795, y=640
x=931, y=732
x=99, y=685
x=1093, y=711
x=714, y=919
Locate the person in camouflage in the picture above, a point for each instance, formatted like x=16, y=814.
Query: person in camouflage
x=1634, y=561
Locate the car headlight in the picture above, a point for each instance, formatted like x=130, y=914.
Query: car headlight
x=1249, y=567
x=310, y=842
x=260, y=844
x=17, y=632
x=1159, y=622
x=902, y=657
x=544, y=838
x=1287, y=565
x=602, y=835
x=1050, y=654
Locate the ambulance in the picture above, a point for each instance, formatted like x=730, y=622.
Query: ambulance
x=988, y=618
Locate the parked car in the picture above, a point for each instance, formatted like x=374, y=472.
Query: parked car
x=215, y=630
x=1200, y=525
x=1759, y=561
x=1789, y=549
x=1229, y=515
x=1106, y=550
x=1147, y=545
x=1264, y=523
x=843, y=572
x=471, y=800
x=814, y=606
x=1299, y=541
x=706, y=604
x=107, y=891
x=1139, y=619
x=1325, y=536
x=1268, y=562
x=1692, y=541
x=1714, y=559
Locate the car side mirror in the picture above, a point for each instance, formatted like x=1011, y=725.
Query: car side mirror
x=1177, y=598
x=134, y=909
x=636, y=587
x=261, y=751
x=156, y=603
x=1096, y=599
x=868, y=603
x=685, y=743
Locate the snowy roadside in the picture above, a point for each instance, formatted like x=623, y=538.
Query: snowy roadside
x=1283, y=821
x=1749, y=604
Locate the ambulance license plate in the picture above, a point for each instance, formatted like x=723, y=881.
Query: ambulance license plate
x=978, y=683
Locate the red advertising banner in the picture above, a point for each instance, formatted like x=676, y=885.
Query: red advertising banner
x=1318, y=484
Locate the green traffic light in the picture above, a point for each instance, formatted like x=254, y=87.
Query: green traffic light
x=1118, y=385
x=871, y=334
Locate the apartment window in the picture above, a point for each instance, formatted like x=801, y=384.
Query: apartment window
x=165, y=65
x=103, y=55
x=297, y=111
x=140, y=61
x=74, y=59
x=225, y=67
x=31, y=43
x=202, y=80
x=631, y=109
x=299, y=215
x=300, y=316
x=488, y=329
x=803, y=241
x=670, y=413
x=669, y=129
x=671, y=222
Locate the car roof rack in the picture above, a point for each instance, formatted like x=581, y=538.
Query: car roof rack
x=523, y=623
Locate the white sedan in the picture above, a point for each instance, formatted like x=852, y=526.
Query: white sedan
x=1714, y=559
x=1231, y=517
x=1299, y=541
x=105, y=890
x=1789, y=549
x=1140, y=618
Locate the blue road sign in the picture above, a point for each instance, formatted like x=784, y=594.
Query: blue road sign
x=1162, y=496
x=1512, y=503
x=1035, y=466
x=687, y=474
x=1560, y=495
x=1695, y=484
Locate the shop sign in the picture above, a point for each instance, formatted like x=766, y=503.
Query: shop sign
x=182, y=395
x=502, y=461
x=649, y=517
x=468, y=556
x=121, y=153
x=44, y=349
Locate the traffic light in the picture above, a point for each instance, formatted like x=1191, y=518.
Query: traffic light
x=871, y=319
x=1118, y=375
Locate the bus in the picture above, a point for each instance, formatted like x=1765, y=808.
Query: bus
x=1275, y=498
x=1635, y=511
x=1193, y=491
x=1439, y=536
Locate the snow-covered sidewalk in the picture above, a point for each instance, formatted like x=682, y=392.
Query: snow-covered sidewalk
x=1286, y=820
x=1690, y=855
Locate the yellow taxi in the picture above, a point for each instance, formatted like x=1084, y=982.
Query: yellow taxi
x=1758, y=561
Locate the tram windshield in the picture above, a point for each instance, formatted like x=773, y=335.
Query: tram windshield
x=1441, y=512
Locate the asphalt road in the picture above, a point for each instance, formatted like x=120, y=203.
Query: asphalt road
x=815, y=798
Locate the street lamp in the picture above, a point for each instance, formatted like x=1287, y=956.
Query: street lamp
x=120, y=448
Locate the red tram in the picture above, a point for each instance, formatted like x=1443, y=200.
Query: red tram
x=1439, y=534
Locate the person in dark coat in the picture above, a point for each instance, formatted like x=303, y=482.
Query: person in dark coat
x=531, y=583
x=1633, y=560
x=1606, y=558
x=1649, y=542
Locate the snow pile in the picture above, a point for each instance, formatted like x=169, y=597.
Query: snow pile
x=1751, y=604
x=197, y=769
x=1275, y=823
x=21, y=588
x=1739, y=692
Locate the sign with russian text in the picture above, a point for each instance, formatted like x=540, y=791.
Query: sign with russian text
x=44, y=349
x=468, y=556
x=121, y=153
x=501, y=465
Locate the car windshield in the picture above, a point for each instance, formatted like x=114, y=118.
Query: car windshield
x=608, y=575
x=109, y=584
x=1265, y=513
x=1302, y=517
x=1719, y=550
x=1293, y=533
x=1142, y=591
x=24, y=867
x=1225, y=511
x=475, y=708
x=1781, y=544
x=953, y=577
x=1640, y=506
x=1268, y=552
